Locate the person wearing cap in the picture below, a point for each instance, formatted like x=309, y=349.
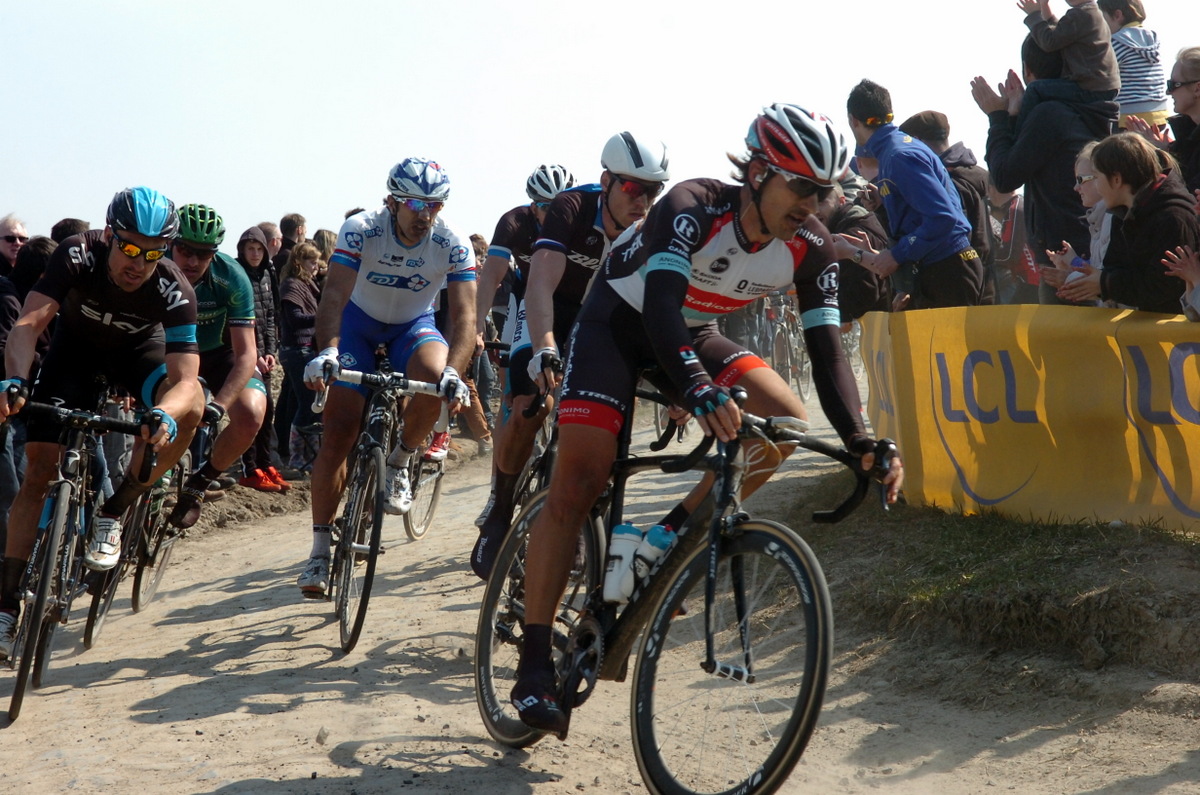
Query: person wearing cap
x=932, y=128
x=580, y=224
x=932, y=257
x=125, y=311
x=225, y=323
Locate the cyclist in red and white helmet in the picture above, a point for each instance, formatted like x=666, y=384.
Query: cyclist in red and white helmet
x=580, y=225
x=706, y=249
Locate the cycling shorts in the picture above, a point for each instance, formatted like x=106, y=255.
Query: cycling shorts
x=521, y=350
x=215, y=366
x=609, y=349
x=71, y=367
x=362, y=334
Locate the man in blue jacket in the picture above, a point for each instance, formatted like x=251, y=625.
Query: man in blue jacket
x=932, y=256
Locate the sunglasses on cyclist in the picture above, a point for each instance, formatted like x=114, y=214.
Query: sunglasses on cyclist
x=1175, y=85
x=636, y=190
x=183, y=250
x=803, y=187
x=134, y=251
x=539, y=205
x=420, y=205
x=16, y=239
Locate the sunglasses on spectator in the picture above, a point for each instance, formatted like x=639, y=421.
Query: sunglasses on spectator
x=803, y=187
x=185, y=250
x=16, y=239
x=636, y=190
x=420, y=205
x=134, y=251
x=1082, y=178
x=1175, y=85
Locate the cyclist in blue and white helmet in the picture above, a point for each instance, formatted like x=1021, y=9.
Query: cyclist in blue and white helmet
x=418, y=178
x=546, y=182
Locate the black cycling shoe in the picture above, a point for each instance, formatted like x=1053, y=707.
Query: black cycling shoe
x=535, y=699
x=191, y=499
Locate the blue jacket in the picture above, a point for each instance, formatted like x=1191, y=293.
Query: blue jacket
x=924, y=211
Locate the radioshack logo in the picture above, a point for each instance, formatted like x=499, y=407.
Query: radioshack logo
x=687, y=229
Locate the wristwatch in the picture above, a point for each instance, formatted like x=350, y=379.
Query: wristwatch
x=858, y=255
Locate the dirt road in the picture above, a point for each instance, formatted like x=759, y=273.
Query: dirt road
x=231, y=683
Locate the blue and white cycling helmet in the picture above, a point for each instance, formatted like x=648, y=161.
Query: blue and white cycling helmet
x=145, y=211
x=418, y=178
x=547, y=181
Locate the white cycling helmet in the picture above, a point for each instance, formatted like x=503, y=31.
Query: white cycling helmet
x=642, y=159
x=547, y=181
x=418, y=178
x=800, y=143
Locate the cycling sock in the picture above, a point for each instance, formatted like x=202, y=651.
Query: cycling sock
x=400, y=456
x=10, y=584
x=123, y=497
x=505, y=490
x=677, y=516
x=320, y=544
x=494, y=527
x=535, y=659
x=210, y=472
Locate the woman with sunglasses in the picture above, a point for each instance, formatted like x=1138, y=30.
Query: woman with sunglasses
x=706, y=249
x=1183, y=87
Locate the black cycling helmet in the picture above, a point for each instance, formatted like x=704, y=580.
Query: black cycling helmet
x=201, y=226
x=143, y=210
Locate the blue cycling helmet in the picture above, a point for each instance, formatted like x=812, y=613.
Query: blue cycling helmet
x=418, y=178
x=145, y=211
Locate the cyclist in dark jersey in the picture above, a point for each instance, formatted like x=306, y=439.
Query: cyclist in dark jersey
x=125, y=312
x=228, y=351
x=516, y=232
x=708, y=248
x=580, y=225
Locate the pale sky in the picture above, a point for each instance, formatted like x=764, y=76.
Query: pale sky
x=259, y=107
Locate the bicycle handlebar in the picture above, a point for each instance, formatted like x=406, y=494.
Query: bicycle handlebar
x=397, y=381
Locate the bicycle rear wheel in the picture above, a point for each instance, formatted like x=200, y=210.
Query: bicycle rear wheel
x=783, y=356
x=360, y=533
x=802, y=367
x=743, y=727
x=500, y=634
x=42, y=583
x=426, y=479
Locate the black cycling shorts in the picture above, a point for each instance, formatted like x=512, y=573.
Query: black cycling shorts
x=518, y=382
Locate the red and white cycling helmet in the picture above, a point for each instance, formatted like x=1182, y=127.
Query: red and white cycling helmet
x=797, y=142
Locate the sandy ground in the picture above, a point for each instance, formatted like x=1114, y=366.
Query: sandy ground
x=231, y=683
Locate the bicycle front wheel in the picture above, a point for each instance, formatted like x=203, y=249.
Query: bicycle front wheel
x=158, y=540
x=426, y=479
x=802, y=367
x=743, y=727
x=42, y=584
x=359, y=539
x=105, y=588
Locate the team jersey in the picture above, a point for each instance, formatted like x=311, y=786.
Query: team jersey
x=694, y=230
x=396, y=283
x=93, y=308
x=516, y=232
x=574, y=227
x=224, y=298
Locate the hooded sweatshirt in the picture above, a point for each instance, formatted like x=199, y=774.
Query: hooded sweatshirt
x=262, y=280
x=1143, y=81
x=971, y=180
x=1162, y=217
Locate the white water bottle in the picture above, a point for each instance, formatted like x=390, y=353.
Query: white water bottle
x=625, y=541
x=655, y=544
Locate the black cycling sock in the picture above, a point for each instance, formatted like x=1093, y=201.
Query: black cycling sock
x=676, y=517
x=505, y=490
x=123, y=497
x=535, y=659
x=10, y=583
x=210, y=472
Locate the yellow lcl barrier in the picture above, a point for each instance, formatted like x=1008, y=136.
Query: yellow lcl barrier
x=1050, y=412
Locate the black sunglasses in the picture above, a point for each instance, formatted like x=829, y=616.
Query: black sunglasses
x=16, y=239
x=1175, y=85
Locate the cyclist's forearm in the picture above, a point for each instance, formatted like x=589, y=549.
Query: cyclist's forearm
x=19, y=351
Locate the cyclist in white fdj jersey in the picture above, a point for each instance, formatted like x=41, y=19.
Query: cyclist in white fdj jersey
x=706, y=249
x=579, y=227
x=384, y=276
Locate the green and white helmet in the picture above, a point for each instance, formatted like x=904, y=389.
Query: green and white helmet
x=200, y=225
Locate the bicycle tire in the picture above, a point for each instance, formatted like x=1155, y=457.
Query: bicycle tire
x=802, y=368
x=104, y=593
x=32, y=616
x=426, y=479
x=690, y=733
x=852, y=347
x=158, y=541
x=783, y=356
x=499, y=635
x=361, y=525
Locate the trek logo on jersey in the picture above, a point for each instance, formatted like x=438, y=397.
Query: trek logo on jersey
x=374, y=231
x=106, y=319
x=443, y=242
x=171, y=291
x=354, y=241
x=458, y=255
x=416, y=282
x=686, y=229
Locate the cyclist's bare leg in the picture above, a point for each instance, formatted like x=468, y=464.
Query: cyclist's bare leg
x=41, y=464
x=246, y=415
x=514, y=440
x=425, y=364
x=768, y=395
x=343, y=421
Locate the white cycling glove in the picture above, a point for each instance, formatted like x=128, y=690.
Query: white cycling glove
x=314, y=371
x=536, y=365
x=453, y=388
